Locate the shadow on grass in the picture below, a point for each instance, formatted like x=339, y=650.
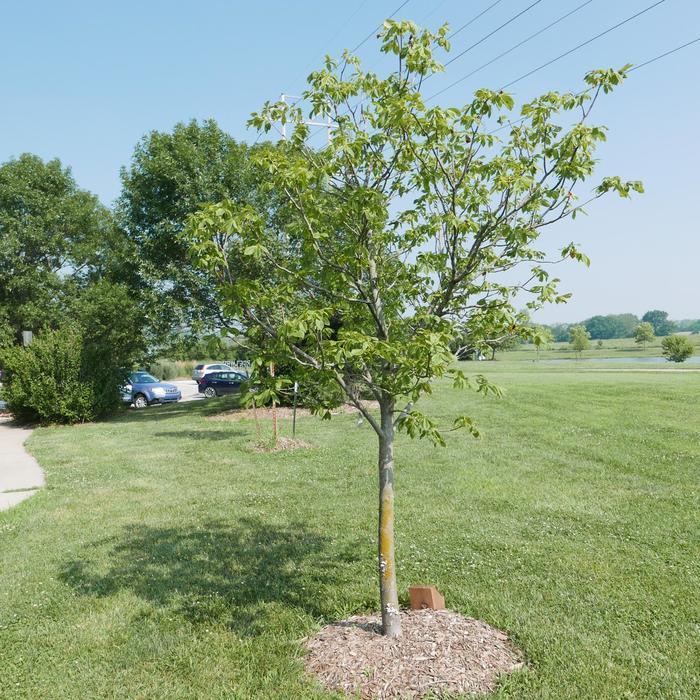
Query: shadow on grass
x=206, y=435
x=182, y=408
x=216, y=572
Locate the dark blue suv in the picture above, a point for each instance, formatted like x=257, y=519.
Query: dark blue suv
x=220, y=383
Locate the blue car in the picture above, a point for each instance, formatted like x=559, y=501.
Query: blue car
x=144, y=389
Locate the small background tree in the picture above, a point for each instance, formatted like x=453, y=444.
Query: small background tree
x=579, y=339
x=677, y=348
x=643, y=334
x=398, y=236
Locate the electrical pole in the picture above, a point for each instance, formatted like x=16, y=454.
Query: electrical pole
x=328, y=124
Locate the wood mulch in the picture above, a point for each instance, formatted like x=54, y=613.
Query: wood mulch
x=439, y=653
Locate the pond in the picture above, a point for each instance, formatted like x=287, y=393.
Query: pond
x=694, y=360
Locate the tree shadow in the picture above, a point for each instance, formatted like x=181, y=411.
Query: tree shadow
x=236, y=574
x=156, y=413
x=207, y=435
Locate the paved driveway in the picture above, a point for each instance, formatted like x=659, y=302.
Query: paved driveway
x=188, y=387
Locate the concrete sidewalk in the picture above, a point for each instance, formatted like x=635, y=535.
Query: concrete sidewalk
x=20, y=475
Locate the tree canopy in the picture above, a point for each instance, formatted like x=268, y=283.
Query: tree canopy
x=579, y=339
x=398, y=235
x=170, y=176
x=644, y=333
x=54, y=237
x=677, y=348
x=660, y=321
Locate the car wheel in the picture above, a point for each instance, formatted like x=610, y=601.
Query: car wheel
x=210, y=392
x=140, y=401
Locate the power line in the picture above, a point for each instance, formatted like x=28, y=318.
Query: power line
x=582, y=44
x=343, y=25
x=634, y=68
x=663, y=55
x=490, y=34
x=510, y=50
x=367, y=38
x=376, y=29
x=473, y=19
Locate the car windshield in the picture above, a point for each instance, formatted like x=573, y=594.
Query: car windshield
x=143, y=378
x=199, y=367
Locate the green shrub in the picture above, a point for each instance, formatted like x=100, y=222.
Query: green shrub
x=163, y=369
x=46, y=381
x=677, y=348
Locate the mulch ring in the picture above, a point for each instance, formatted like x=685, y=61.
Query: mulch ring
x=439, y=652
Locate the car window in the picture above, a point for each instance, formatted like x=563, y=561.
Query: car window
x=199, y=366
x=142, y=378
x=222, y=367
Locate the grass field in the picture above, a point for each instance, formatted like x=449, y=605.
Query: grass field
x=615, y=347
x=165, y=560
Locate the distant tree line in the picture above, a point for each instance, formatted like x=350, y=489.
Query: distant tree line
x=624, y=326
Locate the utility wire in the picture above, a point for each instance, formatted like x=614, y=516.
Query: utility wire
x=634, y=68
x=367, y=38
x=663, y=55
x=490, y=34
x=464, y=26
x=510, y=50
x=336, y=34
x=473, y=19
x=582, y=44
x=376, y=29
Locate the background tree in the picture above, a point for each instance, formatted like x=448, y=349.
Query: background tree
x=611, y=326
x=643, y=334
x=171, y=175
x=560, y=331
x=542, y=339
x=660, y=321
x=578, y=339
x=53, y=239
x=677, y=348
x=401, y=228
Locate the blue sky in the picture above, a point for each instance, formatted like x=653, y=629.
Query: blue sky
x=83, y=81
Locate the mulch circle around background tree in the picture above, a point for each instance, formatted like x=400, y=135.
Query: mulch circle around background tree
x=439, y=652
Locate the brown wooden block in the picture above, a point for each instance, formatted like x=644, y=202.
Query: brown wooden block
x=425, y=597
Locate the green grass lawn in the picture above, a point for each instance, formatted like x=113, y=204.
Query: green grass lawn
x=165, y=560
x=614, y=347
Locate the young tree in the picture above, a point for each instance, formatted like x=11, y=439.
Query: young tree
x=542, y=338
x=399, y=233
x=579, y=339
x=677, y=348
x=643, y=334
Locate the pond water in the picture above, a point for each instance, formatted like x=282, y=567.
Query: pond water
x=694, y=360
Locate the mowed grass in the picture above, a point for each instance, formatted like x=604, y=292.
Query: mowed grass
x=166, y=560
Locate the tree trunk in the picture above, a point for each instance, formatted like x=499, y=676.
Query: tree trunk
x=391, y=622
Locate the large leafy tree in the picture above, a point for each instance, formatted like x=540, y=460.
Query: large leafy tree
x=403, y=228
x=54, y=237
x=660, y=321
x=611, y=326
x=170, y=176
